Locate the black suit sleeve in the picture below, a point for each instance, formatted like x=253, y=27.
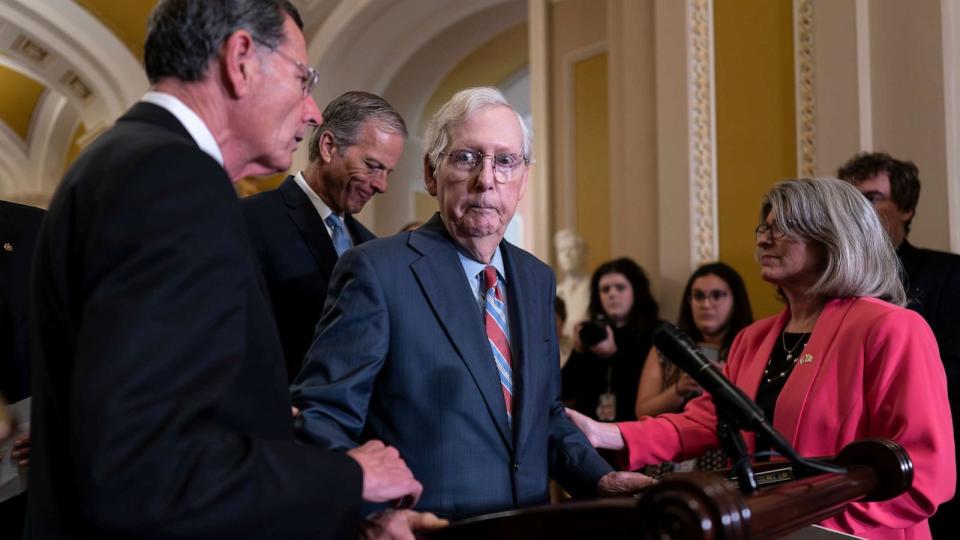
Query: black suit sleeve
x=167, y=293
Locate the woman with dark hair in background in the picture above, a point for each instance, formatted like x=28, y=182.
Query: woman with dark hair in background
x=600, y=378
x=715, y=308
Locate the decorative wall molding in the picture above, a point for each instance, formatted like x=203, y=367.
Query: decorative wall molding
x=703, y=132
x=805, y=87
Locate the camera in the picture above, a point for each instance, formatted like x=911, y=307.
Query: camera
x=593, y=331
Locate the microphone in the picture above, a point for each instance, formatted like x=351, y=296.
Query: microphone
x=677, y=347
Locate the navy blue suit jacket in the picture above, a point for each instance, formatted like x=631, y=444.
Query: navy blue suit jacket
x=401, y=355
x=297, y=257
x=160, y=405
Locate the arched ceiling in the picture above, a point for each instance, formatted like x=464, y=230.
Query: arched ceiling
x=68, y=68
x=19, y=96
x=127, y=20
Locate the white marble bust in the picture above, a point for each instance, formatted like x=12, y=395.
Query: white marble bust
x=574, y=287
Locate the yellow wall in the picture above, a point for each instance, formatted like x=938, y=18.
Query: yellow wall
x=756, y=138
x=574, y=26
x=592, y=156
x=424, y=206
x=126, y=19
x=489, y=65
x=255, y=184
x=19, y=96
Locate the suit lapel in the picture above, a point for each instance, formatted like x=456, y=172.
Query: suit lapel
x=305, y=216
x=445, y=287
x=358, y=232
x=522, y=303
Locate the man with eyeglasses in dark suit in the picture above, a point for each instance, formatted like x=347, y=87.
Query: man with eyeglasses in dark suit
x=160, y=407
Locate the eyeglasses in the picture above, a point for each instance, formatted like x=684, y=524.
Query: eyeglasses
x=466, y=162
x=716, y=295
x=773, y=228
x=309, y=77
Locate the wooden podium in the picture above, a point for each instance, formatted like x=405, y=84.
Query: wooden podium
x=709, y=506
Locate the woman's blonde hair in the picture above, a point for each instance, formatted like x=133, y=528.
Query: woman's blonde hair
x=860, y=260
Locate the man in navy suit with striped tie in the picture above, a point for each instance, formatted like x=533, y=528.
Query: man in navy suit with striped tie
x=442, y=342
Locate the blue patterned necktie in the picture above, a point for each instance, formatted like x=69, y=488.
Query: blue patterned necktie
x=494, y=320
x=341, y=240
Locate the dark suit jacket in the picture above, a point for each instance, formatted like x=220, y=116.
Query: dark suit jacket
x=401, y=355
x=160, y=407
x=297, y=258
x=18, y=230
x=932, y=282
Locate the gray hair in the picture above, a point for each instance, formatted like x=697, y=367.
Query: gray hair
x=461, y=106
x=183, y=36
x=861, y=261
x=344, y=115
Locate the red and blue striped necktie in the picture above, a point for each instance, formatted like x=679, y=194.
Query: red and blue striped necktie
x=498, y=334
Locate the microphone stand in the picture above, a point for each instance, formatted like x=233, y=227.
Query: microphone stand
x=728, y=431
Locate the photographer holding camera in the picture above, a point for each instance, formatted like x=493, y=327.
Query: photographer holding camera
x=600, y=378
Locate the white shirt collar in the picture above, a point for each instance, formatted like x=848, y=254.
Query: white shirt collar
x=191, y=122
x=321, y=206
x=315, y=199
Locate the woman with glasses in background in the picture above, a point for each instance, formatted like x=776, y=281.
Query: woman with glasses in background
x=715, y=308
x=843, y=361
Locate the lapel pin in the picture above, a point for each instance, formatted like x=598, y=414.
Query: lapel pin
x=806, y=359
x=7, y=246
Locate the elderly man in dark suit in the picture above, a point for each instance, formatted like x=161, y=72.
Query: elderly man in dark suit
x=442, y=342
x=300, y=229
x=160, y=407
x=931, y=278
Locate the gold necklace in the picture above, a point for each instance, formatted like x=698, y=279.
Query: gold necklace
x=799, y=343
x=791, y=361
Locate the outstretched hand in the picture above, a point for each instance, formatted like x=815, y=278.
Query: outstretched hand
x=623, y=483
x=600, y=434
x=399, y=524
x=385, y=474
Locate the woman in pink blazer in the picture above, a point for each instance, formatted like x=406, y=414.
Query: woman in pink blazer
x=843, y=361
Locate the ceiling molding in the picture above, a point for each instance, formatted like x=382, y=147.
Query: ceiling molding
x=50, y=137
x=82, y=56
x=90, y=76
x=13, y=160
x=359, y=30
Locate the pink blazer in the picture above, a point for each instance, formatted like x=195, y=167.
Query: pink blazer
x=875, y=372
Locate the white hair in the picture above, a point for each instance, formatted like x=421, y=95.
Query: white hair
x=461, y=106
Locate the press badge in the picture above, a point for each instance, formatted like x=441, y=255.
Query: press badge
x=607, y=407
